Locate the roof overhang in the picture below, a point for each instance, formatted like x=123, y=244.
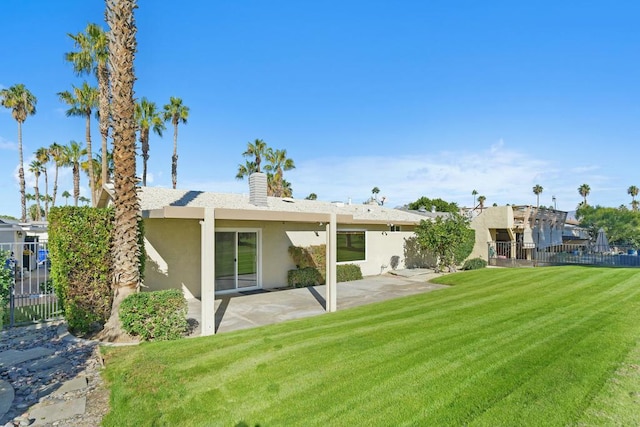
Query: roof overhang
x=198, y=213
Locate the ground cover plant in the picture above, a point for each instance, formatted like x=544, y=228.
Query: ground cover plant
x=544, y=346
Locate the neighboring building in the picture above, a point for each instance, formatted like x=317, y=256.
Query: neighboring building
x=513, y=232
x=209, y=243
x=10, y=231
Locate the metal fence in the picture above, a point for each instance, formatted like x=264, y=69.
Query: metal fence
x=31, y=295
x=516, y=254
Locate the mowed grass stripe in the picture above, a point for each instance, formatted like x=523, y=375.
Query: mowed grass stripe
x=410, y=363
x=453, y=356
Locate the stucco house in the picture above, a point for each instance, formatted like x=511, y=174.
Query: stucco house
x=209, y=243
x=506, y=234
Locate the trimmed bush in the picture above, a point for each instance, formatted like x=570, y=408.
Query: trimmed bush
x=158, y=315
x=80, y=251
x=303, y=277
x=348, y=272
x=474, y=264
x=309, y=256
x=310, y=276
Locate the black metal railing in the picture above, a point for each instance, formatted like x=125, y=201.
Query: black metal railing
x=517, y=254
x=31, y=296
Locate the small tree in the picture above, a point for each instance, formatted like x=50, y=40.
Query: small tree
x=439, y=205
x=450, y=240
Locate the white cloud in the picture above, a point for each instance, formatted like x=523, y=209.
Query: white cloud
x=500, y=173
x=5, y=144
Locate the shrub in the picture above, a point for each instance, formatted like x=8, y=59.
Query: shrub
x=302, y=277
x=474, y=264
x=158, y=315
x=309, y=256
x=80, y=251
x=348, y=272
x=6, y=280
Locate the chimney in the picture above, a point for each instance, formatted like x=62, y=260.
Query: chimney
x=258, y=189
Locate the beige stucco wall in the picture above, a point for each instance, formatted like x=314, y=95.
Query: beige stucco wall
x=173, y=255
x=485, y=224
x=173, y=250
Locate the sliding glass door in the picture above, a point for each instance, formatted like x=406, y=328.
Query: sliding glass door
x=236, y=260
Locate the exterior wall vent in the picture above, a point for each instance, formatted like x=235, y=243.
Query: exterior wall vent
x=258, y=189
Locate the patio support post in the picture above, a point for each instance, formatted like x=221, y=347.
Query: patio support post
x=332, y=250
x=208, y=272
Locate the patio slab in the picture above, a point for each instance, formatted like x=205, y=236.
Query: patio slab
x=238, y=311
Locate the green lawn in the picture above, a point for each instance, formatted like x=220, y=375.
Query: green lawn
x=502, y=347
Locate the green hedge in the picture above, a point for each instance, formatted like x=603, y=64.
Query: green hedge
x=474, y=264
x=309, y=256
x=6, y=279
x=81, y=265
x=348, y=272
x=302, y=277
x=159, y=315
x=310, y=276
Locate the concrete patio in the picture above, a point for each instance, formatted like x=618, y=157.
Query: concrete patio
x=256, y=308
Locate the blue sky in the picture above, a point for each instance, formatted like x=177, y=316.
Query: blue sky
x=418, y=98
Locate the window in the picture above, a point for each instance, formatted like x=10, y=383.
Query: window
x=393, y=228
x=351, y=246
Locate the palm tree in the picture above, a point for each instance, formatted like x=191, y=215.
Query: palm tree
x=374, y=192
x=92, y=56
x=474, y=193
x=33, y=209
x=584, y=191
x=22, y=103
x=95, y=168
x=126, y=232
x=176, y=113
x=72, y=156
x=44, y=156
x=245, y=170
x=287, y=191
x=633, y=192
x=66, y=196
x=98, y=161
x=537, y=190
x=278, y=163
x=481, y=200
x=257, y=150
x=147, y=117
x=312, y=196
x=84, y=200
x=35, y=167
x=57, y=154
x=33, y=212
x=83, y=101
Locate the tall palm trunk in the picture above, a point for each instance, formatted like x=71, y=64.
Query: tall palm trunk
x=126, y=250
x=103, y=87
x=92, y=181
x=23, y=199
x=55, y=186
x=37, y=193
x=46, y=193
x=76, y=183
x=174, y=158
x=144, y=146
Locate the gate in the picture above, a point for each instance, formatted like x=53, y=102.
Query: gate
x=31, y=296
